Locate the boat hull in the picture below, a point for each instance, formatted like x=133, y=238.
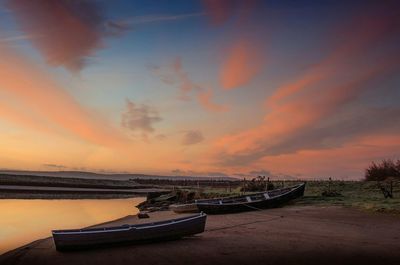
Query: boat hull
x=158, y=231
x=184, y=208
x=273, y=202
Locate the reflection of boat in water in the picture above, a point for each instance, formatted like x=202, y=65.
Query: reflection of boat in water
x=262, y=200
x=162, y=230
x=184, y=208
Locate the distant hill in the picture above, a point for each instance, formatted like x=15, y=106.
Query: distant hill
x=111, y=176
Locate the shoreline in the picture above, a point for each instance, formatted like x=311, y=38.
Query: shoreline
x=36, y=192
x=66, y=196
x=47, y=187
x=288, y=235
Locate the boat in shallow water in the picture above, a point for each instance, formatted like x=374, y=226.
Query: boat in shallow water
x=148, y=232
x=262, y=200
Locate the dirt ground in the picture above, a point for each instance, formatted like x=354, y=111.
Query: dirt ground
x=290, y=235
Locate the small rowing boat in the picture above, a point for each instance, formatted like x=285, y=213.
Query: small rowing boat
x=162, y=230
x=184, y=208
x=262, y=200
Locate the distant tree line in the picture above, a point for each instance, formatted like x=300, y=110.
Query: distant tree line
x=383, y=170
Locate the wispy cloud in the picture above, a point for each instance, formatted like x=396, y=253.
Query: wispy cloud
x=55, y=166
x=192, y=137
x=261, y=172
x=182, y=172
x=139, y=117
x=16, y=38
x=186, y=85
x=146, y=19
x=175, y=74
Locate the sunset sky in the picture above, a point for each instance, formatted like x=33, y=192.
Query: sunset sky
x=294, y=89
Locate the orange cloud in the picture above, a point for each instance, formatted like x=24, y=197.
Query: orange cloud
x=241, y=65
x=306, y=80
x=301, y=122
x=278, y=123
x=44, y=98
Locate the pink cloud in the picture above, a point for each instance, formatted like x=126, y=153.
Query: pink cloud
x=286, y=126
x=241, y=65
x=66, y=32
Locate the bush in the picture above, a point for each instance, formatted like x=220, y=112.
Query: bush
x=256, y=184
x=383, y=170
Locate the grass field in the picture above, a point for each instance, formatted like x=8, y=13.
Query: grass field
x=365, y=195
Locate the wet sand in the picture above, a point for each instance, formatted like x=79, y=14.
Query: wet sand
x=290, y=235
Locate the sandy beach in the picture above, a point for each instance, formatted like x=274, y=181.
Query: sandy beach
x=290, y=235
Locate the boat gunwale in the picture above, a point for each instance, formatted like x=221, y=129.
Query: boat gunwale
x=129, y=227
x=182, y=205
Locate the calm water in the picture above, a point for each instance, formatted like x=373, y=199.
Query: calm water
x=23, y=221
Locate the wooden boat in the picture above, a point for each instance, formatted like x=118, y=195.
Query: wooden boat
x=262, y=200
x=184, y=208
x=149, y=232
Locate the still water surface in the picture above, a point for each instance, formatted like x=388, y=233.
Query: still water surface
x=23, y=221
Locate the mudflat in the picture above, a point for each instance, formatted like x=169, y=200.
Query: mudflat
x=289, y=235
